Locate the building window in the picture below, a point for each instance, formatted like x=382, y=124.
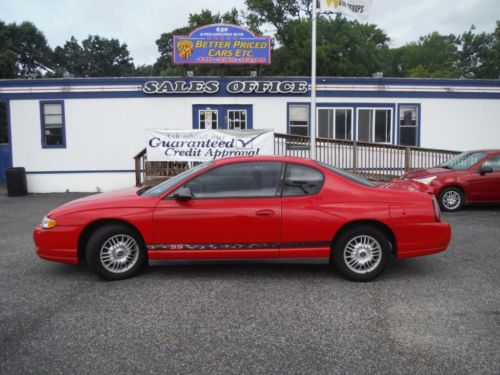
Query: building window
x=237, y=119
x=408, y=125
x=52, y=121
x=298, y=116
x=208, y=119
x=335, y=123
x=375, y=125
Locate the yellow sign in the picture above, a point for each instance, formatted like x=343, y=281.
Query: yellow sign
x=335, y=2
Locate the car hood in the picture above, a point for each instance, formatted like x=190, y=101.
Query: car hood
x=427, y=172
x=101, y=200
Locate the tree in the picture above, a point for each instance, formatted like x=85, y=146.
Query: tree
x=24, y=52
x=278, y=13
x=95, y=57
x=433, y=56
x=478, y=56
x=345, y=48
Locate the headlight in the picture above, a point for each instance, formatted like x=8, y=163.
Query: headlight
x=48, y=223
x=426, y=180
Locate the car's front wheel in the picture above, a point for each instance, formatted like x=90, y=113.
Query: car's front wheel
x=451, y=199
x=115, y=252
x=361, y=253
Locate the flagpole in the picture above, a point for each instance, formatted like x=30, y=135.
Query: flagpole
x=312, y=152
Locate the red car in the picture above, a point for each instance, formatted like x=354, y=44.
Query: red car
x=249, y=208
x=471, y=177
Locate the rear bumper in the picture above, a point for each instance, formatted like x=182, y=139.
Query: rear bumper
x=56, y=244
x=423, y=239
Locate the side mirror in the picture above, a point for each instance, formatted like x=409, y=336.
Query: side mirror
x=484, y=170
x=183, y=194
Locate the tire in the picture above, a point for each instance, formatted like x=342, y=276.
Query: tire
x=361, y=253
x=451, y=199
x=115, y=252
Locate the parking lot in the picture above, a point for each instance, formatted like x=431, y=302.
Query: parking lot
x=432, y=315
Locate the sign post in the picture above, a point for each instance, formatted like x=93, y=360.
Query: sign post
x=312, y=152
x=357, y=9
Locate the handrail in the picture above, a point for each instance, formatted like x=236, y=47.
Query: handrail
x=140, y=162
x=374, y=160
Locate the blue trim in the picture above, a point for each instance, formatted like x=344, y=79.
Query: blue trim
x=9, y=132
x=83, y=171
x=405, y=94
x=320, y=80
x=222, y=94
x=419, y=121
x=222, y=113
x=42, y=123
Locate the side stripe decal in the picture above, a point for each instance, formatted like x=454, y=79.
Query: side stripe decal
x=239, y=246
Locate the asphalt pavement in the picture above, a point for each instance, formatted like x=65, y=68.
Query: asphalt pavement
x=438, y=314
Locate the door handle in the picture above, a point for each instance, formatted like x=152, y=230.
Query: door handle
x=265, y=213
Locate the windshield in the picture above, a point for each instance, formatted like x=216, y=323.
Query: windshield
x=171, y=182
x=352, y=177
x=464, y=161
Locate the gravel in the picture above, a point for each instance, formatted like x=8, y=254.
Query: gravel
x=432, y=315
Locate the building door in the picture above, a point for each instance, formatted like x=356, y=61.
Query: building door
x=5, y=150
x=228, y=117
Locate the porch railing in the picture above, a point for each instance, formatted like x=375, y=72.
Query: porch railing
x=372, y=160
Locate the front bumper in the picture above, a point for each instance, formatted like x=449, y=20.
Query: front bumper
x=58, y=244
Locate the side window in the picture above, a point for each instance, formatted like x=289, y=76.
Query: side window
x=52, y=118
x=251, y=179
x=493, y=163
x=302, y=180
x=298, y=117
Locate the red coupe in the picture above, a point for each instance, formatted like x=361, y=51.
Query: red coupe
x=248, y=209
x=471, y=177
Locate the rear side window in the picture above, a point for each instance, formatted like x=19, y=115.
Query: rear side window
x=493, y=163
x=302, y=180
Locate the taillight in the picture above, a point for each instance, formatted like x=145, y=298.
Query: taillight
x=437, y=210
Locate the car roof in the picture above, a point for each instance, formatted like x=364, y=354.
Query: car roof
x=278, y=158
x=487, y=151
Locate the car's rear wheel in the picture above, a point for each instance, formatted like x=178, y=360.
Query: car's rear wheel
x=451, y=199
x=361, y=253
x=115, y=252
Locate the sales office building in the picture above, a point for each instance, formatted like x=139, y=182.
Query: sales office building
x=81, y=134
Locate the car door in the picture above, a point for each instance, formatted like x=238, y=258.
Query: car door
x=486, y=187
x=234, y=213
x=307, y=229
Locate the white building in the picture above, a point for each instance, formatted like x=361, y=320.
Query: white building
x=81, y=134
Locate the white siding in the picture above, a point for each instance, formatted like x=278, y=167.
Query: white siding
x=104, y=134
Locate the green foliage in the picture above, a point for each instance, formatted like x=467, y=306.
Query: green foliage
x=24, y=52
x=95, y=57
x=345, y=48
x=433, y=56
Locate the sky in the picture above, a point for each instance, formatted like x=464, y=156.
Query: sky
x=140, y=23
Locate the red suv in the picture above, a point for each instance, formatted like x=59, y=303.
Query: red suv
x=471, y=177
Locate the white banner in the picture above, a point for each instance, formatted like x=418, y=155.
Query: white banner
x=205, y=145
x=355, y=8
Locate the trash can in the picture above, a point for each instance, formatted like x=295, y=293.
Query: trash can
x=15, y=179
